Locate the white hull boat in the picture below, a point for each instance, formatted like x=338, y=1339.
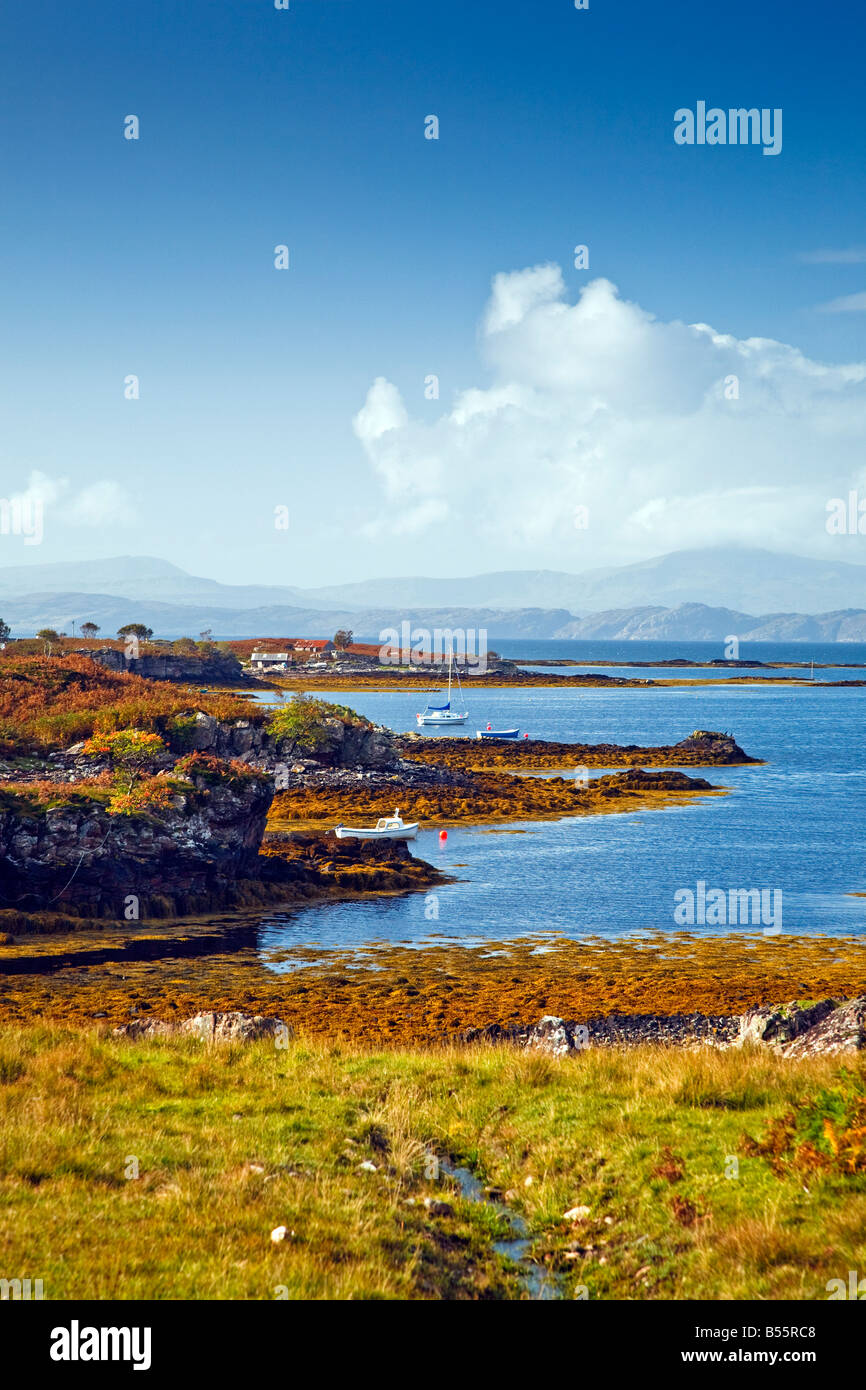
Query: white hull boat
x=386, y=828
x=443, y=716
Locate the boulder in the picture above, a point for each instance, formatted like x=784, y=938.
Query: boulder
x=551, y=1035
x=840, y=1032
x=717, y=748
x=778, y=1024
x=210, y=1027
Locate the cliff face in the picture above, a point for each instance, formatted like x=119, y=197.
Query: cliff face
x=79, y=857
x=344, y=745
x=222, y=667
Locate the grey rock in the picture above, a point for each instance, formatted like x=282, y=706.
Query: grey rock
x=551, y=1035
x=778, y=1024
x=210, y=1027
x=839, y=1033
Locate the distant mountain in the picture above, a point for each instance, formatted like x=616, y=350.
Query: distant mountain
x=687, y=622
x=695, y=622
x=144, y=577
x=744, y=580
x=58, y=610
x=751, y=581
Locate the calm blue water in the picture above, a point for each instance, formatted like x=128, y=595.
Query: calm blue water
x=822, y=673
x=796, y=824
x=593, y=650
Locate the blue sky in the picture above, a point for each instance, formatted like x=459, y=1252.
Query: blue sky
x=306, y=127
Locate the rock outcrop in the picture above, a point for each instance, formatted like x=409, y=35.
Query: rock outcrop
x=220, y=668
x=824, y=1028
x=77, y=856
x=209, y=1027
x=779, y=1024
x=839, y=1033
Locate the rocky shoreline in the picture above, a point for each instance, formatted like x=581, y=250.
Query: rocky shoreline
x=827, y=1028
x=222, y=788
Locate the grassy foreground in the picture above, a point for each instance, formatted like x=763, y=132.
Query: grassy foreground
x=232, y=1141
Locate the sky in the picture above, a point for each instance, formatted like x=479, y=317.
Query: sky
x=700, y=381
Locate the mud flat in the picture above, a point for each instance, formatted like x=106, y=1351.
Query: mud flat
x=427, y=994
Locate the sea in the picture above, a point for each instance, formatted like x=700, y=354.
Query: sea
x=794, y=826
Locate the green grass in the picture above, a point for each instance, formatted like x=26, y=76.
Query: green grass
x=643, y=1138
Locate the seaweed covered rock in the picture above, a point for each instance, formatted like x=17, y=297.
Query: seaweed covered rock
x=717, y=749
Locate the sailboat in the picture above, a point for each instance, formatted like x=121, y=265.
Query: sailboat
x=443, y=716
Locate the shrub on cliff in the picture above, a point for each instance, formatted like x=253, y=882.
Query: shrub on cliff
x=213, y=771
x=301, y=722
x=130, y=752
x=152, y=794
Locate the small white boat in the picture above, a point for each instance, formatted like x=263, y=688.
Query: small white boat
x=497, y=733
x=443, y=716
x=386, y=828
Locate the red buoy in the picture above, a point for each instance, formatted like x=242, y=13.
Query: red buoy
x=490, y=726
x=526, y=735
x=443, y=835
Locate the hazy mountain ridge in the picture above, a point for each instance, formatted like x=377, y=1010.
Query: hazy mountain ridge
x=749, y=581
x=58, y=610
x=698, y=622
x=687, y=622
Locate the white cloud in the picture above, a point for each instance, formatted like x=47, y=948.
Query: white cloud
x=845, y=304
x=100, y=504
x=601, y=405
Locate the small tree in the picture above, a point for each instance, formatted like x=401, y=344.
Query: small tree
x=5, y=631
x=343, y=639
x=138, y=630
x=89, y=629
x=131, y=752
x=48, y=635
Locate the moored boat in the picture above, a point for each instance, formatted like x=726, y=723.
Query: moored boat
x=386, y=828
x=443, y=716
x=496, y=733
